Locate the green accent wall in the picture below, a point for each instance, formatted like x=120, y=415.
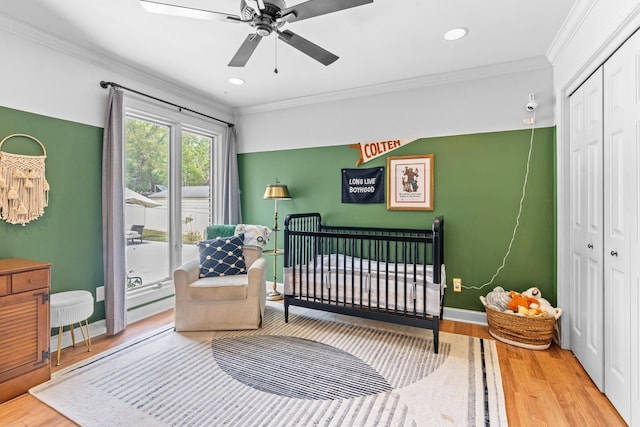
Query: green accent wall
x=69, y=234
x=478, y=186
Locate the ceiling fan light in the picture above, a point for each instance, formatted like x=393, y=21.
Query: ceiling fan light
x=456, y=34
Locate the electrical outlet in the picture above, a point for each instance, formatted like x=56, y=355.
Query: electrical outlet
x=100, y=293
x=457, y=284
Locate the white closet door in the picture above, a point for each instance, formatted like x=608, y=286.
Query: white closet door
x=633, y=126
x=586, y=213
x=621, y=138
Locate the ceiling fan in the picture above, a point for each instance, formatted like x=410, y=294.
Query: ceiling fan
x=267, y=17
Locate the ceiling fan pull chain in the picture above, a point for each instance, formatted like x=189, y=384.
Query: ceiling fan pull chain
x=275, y=70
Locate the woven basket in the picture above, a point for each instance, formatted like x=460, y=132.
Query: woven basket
x=535, y=333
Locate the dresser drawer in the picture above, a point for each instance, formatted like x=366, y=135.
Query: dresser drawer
x=29, y=280
x=4, y=285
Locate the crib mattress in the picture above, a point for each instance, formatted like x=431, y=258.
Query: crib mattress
x=352, y=281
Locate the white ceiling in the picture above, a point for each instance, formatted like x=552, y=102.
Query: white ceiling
x=386, y=41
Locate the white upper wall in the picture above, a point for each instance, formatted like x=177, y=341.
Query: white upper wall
x=47, y=81
x=474, y=101
x=43, y=77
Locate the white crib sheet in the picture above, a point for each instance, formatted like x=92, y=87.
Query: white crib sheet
x=378, y=285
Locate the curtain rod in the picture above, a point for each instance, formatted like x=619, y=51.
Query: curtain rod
x=105, y=85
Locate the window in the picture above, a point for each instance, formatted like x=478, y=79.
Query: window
x=171, y=172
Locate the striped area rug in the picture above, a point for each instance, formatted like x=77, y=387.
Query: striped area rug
x=319, y=369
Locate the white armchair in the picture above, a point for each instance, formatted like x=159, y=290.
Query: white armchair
x=223, y=302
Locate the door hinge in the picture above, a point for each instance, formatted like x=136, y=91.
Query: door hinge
x=44, y=295
x=46, y=356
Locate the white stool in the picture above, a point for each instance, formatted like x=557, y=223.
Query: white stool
x=68, y=308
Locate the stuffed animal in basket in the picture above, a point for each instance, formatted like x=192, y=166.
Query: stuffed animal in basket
x=523, y=305
x=498, y=299
x=543, y=304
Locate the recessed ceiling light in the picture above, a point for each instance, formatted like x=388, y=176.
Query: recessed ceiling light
x=456, y=34
x=236, y=81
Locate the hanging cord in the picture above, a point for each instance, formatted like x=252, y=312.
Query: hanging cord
x=275, y=70
x=515, y=228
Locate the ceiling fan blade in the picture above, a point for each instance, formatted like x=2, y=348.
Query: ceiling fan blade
x=246, y=50
x=305, y=46
x=256, y=5
x=184, y=11
x=312, y=8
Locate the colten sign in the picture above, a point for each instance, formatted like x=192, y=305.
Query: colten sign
x=371, y=150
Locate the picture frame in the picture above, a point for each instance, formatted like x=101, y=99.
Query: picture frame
x=410, y=182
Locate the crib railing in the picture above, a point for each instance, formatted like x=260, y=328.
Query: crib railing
x=390, y=274
x=306, y=238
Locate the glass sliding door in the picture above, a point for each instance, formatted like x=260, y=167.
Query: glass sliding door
x=170, y=192
x=146, y=203
x=196, y=190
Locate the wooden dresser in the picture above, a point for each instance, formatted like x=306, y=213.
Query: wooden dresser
x=24, y=325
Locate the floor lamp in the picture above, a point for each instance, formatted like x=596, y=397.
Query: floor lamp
x=275, y=192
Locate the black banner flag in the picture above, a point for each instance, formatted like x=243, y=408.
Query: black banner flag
x=363, y=185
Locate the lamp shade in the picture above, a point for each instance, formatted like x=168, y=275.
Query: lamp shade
x=277, y=191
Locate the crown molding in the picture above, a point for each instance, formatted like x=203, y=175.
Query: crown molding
x=109, y=63
x=576, y=17
x=528, y=64
x=614, y=35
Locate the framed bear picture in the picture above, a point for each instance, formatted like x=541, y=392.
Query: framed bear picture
x=410, y=182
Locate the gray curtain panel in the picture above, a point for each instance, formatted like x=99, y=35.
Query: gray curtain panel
x=231, y=212
x=113, y=246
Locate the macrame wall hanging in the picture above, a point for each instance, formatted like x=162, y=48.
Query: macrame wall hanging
x=24, y=191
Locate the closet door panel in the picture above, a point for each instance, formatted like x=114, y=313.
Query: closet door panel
x=621, y=88
x=578, y=328
x=594, y=187
x=594, y=340
x=617, y=329
x=586, y=215
x=576, y=214
x=616, y=183
x=633, y=117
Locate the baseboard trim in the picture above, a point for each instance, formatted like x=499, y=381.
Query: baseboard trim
x=99, y=327
x=465, y=316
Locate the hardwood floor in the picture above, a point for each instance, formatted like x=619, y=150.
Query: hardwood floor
x=541, y=387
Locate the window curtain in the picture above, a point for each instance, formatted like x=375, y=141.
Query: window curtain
x=231, y=212
x=113, y=238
